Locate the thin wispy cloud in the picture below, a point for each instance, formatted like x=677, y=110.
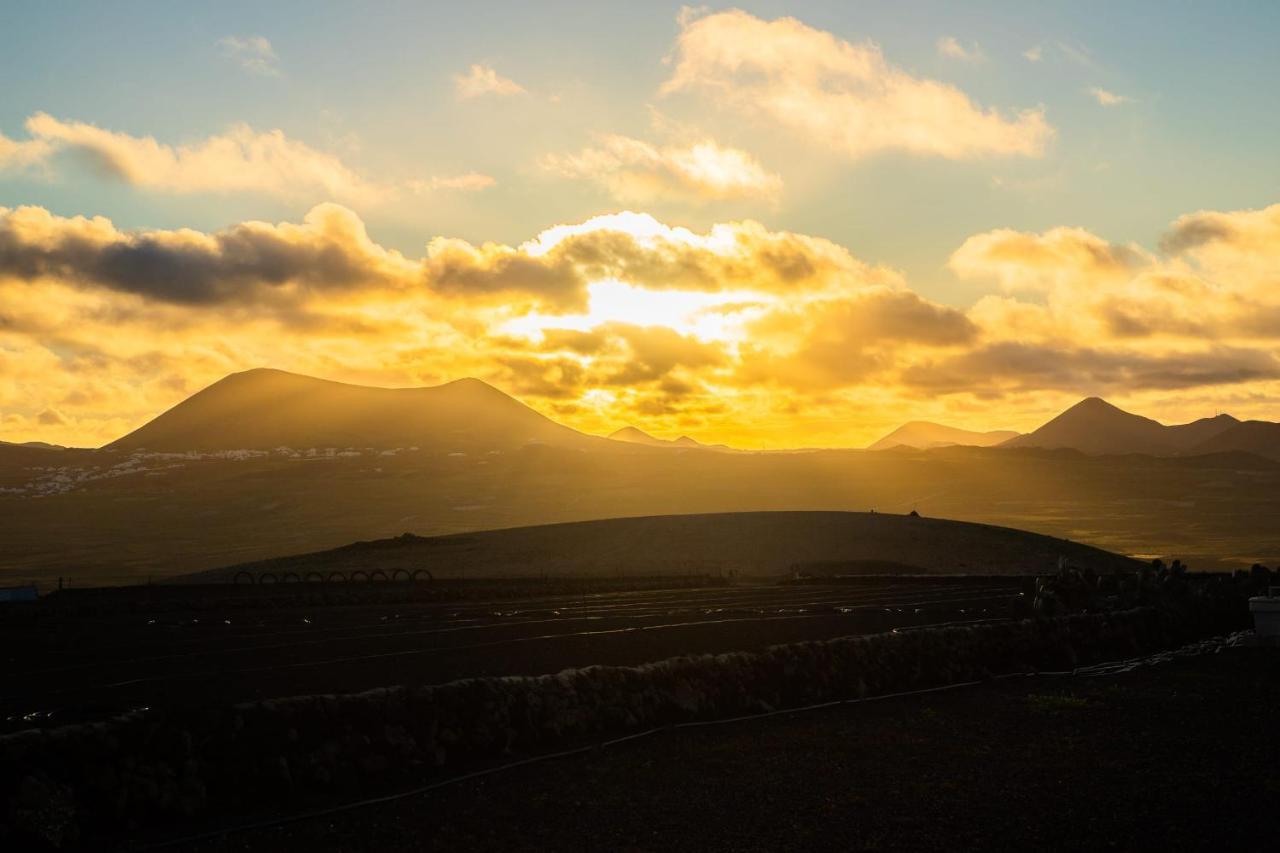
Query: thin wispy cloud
x=950, y=48
x=1034, y=53
x=1079, y=54
x=466, y=182
x=253, y=53
x=1106, y=98
x=481, y=80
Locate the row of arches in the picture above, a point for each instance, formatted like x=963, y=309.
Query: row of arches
x=358, y=576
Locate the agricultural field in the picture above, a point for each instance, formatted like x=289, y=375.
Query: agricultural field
x=89, y=654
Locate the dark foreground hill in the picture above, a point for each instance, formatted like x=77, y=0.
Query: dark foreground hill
x=105, y=516
x=265, y=409
x=752, y=543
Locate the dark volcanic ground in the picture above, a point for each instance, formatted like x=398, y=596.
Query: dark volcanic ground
x=1182, y=756
x=62, y=667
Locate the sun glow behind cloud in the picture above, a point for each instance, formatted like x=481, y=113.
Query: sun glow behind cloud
x=717, y=316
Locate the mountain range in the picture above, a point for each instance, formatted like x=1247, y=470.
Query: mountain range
x=635, y=435
x=1097, y=428
x=265, y=409
x=265, y=463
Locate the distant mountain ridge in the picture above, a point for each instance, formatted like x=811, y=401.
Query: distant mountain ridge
x=1258, y=437
x=924, y=435
x=635, y=435
x=32, y=445
x=1096, y=427
x=265, y=409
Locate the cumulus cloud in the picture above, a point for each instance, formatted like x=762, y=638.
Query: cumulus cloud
x=624, y=318
x=951, y=48
x=482, y=80
x=241, y=159
x=634, y=171
x=1107, y=316
x=1010, y=366
x=330, y=250
x=638, y=249
x=844, y=94
x=1227, y=236
x=252, y=53
x=836, y=342
x=1021, y=261
x=1106, y=98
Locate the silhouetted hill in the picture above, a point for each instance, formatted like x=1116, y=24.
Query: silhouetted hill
x=924, y=435
x=32, y=445
x=264, y=409
x=635, y=435
x=758, y=543
x=1096, y=427
x=1258, y=437
x=1188, y=436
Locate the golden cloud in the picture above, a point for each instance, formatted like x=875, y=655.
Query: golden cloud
x=636, y=171
x=623, y=318
x=482, y=80
x=842, y=94
x=25, y=154
x=1020, y=261
x=239, y=160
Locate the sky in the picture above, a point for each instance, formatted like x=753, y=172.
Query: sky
x=771, y=225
